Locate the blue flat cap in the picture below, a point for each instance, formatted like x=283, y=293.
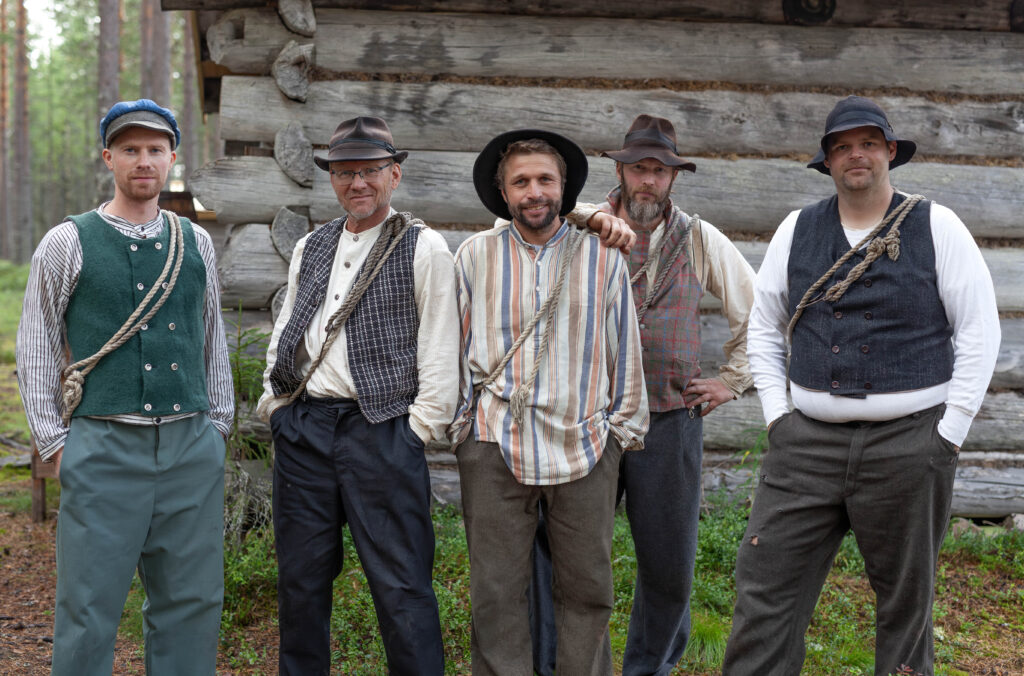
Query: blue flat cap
x=141, y=113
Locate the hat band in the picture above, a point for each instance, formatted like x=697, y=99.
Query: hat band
x=650, y=135
x=380, y=144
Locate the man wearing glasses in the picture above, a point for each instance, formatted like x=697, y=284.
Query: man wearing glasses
x=362, y=370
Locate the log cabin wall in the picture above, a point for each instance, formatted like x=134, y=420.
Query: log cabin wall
x=748, y=85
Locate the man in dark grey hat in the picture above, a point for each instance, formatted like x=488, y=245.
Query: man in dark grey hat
x=886, y=316
x=551, y=393
x=663, y=484
x=137, y=431
x=362, y=371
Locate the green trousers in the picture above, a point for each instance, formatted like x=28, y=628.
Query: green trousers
x=145, y=498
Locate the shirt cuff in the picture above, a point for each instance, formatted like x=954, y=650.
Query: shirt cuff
x=954, y=425
x=47, y=452
x=628, y=442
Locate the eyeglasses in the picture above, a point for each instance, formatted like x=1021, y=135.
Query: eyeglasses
x=368, y=174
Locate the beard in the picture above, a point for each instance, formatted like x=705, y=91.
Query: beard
x=644, y=213
x=140, y=192
x=535, y=222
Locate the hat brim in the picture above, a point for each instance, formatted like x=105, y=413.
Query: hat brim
x=660, y=153
x=904, y=151
x=115, y=130
x=353, y=152
x=486, y=166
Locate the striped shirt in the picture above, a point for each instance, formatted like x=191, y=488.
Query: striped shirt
x=591, y=377
x=40, y=352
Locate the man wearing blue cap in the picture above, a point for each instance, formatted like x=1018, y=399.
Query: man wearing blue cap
x=883, y=322
x=127, y=295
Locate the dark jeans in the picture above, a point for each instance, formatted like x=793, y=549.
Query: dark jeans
x=891, y=483
x=333, y=467
x=662, y=484
x=501, y=519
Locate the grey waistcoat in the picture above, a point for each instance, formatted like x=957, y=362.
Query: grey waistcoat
x=888, y=333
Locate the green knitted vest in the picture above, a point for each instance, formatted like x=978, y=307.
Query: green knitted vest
x=161, y=369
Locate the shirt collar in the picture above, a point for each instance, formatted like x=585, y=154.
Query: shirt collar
x=555, y=239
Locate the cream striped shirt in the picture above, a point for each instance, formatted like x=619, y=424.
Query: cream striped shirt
x=590, y=380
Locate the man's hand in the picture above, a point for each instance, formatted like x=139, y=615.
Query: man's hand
x=614, y=231
x=56, y=461
x=710, y=391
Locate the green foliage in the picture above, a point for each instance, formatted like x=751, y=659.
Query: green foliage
x=250, y=580
x=12, y=290
x=1001, y=551
x=248, y=350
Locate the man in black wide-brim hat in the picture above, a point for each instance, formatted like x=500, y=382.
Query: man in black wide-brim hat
x=551, y=394
x=887, y=311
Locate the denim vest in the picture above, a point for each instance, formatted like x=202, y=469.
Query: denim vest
x=889, y=332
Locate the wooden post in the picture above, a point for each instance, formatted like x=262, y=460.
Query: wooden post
x=41, y=471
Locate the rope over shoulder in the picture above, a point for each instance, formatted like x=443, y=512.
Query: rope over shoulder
x=876, y=246
x=74, y=375
x=392, y=233
x=664, y=266
x=519, y=401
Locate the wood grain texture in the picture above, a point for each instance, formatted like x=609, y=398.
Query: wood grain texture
x=447, y=116
x=991, y=15
x=501, y=45
x=748, y=195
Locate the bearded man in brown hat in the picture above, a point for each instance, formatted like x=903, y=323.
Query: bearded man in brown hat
x=362, y=371
x=675, y=259
x=886, y=310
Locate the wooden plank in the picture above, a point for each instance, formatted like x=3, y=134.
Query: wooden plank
x=989, y=15
x=446, y=116
x=749, y=195
x=471, y=45
x=251, y=269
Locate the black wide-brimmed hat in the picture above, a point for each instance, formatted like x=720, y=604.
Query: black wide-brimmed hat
x=857, y=111
x=651, y=137
x=486, y=166
x=361, y=138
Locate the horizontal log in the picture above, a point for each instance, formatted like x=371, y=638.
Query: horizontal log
x=990, y=15
x=747, y=195
x=249, y=262
x=447, y=116
x=473, y=45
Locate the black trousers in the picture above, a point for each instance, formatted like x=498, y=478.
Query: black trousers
x=891, y=483
x=333, y=467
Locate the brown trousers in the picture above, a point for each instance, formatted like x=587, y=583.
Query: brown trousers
x=501, y=520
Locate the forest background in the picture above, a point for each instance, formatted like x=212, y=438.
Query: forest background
x=63, y=63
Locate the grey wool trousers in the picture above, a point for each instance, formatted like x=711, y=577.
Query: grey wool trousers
x=889, y=482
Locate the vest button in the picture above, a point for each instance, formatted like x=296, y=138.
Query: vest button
x=140, y=286
x=171, y=326
x=867, y=386
x=867, y=282
x=148, y=407
x=163, y=285
x=134, y=247
x=867, y=315
x=835, y=384
x=835, y=349
x=158, y=246
x=864, y=349
x=838, y=314
x=643, y=326
x=148, y=367
x=177, y=407
x=144, y=327
x=174, y=367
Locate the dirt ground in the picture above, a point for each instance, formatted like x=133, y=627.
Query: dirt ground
x=991, y=636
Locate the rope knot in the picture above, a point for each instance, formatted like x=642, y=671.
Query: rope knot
x=72, y=393
x=518, y=402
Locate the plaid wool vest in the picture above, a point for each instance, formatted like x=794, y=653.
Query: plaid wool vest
x=381, y=332
x=670, y=330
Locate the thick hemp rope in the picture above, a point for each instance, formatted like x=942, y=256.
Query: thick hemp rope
x=890, y=244
x=664, y=266
x=74, y=375
x=392, y=233
x=521, y=395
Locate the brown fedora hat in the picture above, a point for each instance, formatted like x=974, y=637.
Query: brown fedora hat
x=361, y=138
x=650, y=137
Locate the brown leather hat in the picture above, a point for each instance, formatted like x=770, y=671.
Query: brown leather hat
x=361, y=138
x=653, y=137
